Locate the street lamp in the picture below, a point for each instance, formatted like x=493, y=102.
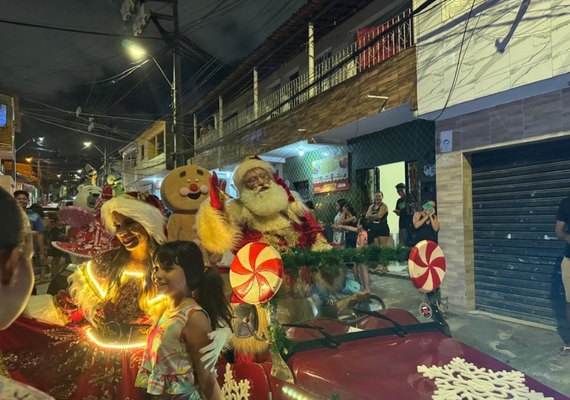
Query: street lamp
x=138, y=53
x=87, y=145
x=39, y=141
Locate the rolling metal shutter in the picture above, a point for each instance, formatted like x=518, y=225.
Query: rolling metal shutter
x=516, y=193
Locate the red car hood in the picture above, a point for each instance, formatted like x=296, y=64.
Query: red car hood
x=385, y=367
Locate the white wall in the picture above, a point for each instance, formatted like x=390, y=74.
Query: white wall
x=538, y=48
x=390, y=176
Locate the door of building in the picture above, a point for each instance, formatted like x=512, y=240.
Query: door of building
x=516, y=193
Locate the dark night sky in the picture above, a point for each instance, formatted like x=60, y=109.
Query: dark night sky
x=54, y=72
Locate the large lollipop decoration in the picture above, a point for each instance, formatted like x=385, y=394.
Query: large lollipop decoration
x=256, y=273
x=426, y=265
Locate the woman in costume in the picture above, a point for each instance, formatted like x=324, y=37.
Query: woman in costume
x=92, y=347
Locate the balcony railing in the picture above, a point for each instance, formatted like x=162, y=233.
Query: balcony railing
x=329, y=72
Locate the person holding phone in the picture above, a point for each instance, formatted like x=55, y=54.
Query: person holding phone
x=426, y=223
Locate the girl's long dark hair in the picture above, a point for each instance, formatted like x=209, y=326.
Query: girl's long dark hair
x=206, y=283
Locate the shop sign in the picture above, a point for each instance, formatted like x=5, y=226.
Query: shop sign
x=330, y=174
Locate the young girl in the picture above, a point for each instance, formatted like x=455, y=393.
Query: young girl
x=360, y=271
x=338, y=235
x=171, y=367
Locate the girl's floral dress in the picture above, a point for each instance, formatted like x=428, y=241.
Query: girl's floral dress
x=166, y=370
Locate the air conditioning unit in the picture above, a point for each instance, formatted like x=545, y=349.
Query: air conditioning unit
x=127, y=9
x=141, y=20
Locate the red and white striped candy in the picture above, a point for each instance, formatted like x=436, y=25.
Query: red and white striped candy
x=256, y=273
x=426, y=265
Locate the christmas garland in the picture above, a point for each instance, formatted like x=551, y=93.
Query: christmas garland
x=333, y=261
x=337, y=258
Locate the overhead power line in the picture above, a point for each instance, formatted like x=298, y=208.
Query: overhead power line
x=73, y=30
x=79, y=130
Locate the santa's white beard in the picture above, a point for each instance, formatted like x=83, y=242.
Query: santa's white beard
x=267, y=202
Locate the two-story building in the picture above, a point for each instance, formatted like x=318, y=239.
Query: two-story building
x=329, y=98
x=144, y=160
x=494, y=75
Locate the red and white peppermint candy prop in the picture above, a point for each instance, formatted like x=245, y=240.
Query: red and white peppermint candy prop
x=426, y=265
x=256, y=273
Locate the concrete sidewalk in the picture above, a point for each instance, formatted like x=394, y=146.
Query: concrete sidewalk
x=532, y=350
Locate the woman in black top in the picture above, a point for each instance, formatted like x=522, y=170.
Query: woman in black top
x=377, y=216
x=426, y=223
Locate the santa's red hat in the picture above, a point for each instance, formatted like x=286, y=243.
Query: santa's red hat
x=247, y=165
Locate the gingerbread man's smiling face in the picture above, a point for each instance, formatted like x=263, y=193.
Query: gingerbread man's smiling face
x=185, y=188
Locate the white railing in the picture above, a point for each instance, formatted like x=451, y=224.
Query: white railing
x=327, y=80
x=289, y=95
x=328, y=74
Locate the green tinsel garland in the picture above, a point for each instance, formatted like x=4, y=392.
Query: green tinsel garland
x=337, y=258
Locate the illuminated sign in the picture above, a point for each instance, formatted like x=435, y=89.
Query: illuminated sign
x=3, y=115
x=330, y=174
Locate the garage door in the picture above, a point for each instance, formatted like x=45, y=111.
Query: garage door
x=516, y=193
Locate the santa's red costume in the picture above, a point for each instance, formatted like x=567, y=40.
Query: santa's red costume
x=266, y=211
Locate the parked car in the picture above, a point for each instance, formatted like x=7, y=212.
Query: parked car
x=64, y=203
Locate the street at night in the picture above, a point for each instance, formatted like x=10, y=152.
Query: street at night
x=285, y=199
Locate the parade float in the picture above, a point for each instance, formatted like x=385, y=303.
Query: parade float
x=290, y=344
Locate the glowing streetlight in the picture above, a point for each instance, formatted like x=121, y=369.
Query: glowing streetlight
x=29, y=159
x=79, y=171
x=136, y=51
x=86, y=144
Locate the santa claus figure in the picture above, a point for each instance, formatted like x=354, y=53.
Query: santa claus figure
x=266, y=211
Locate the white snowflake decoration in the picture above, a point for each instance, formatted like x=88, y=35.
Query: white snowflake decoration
x=462, y=380
x=232, y=389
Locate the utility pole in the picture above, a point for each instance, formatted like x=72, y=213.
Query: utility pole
x=175, y=142
x=311, y=66
x=41, y=192
x=179, y=145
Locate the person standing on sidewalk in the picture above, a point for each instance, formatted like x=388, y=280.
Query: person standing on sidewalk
x=426, y=223
x=562, y=227
x=405, y=219
x=38, y=228
x=377, y=215
x=338, y=235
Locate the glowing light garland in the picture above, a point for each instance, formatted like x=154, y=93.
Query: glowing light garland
x=116, y=346
x=134, y=273
x=93, y=280
x=89, y=332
